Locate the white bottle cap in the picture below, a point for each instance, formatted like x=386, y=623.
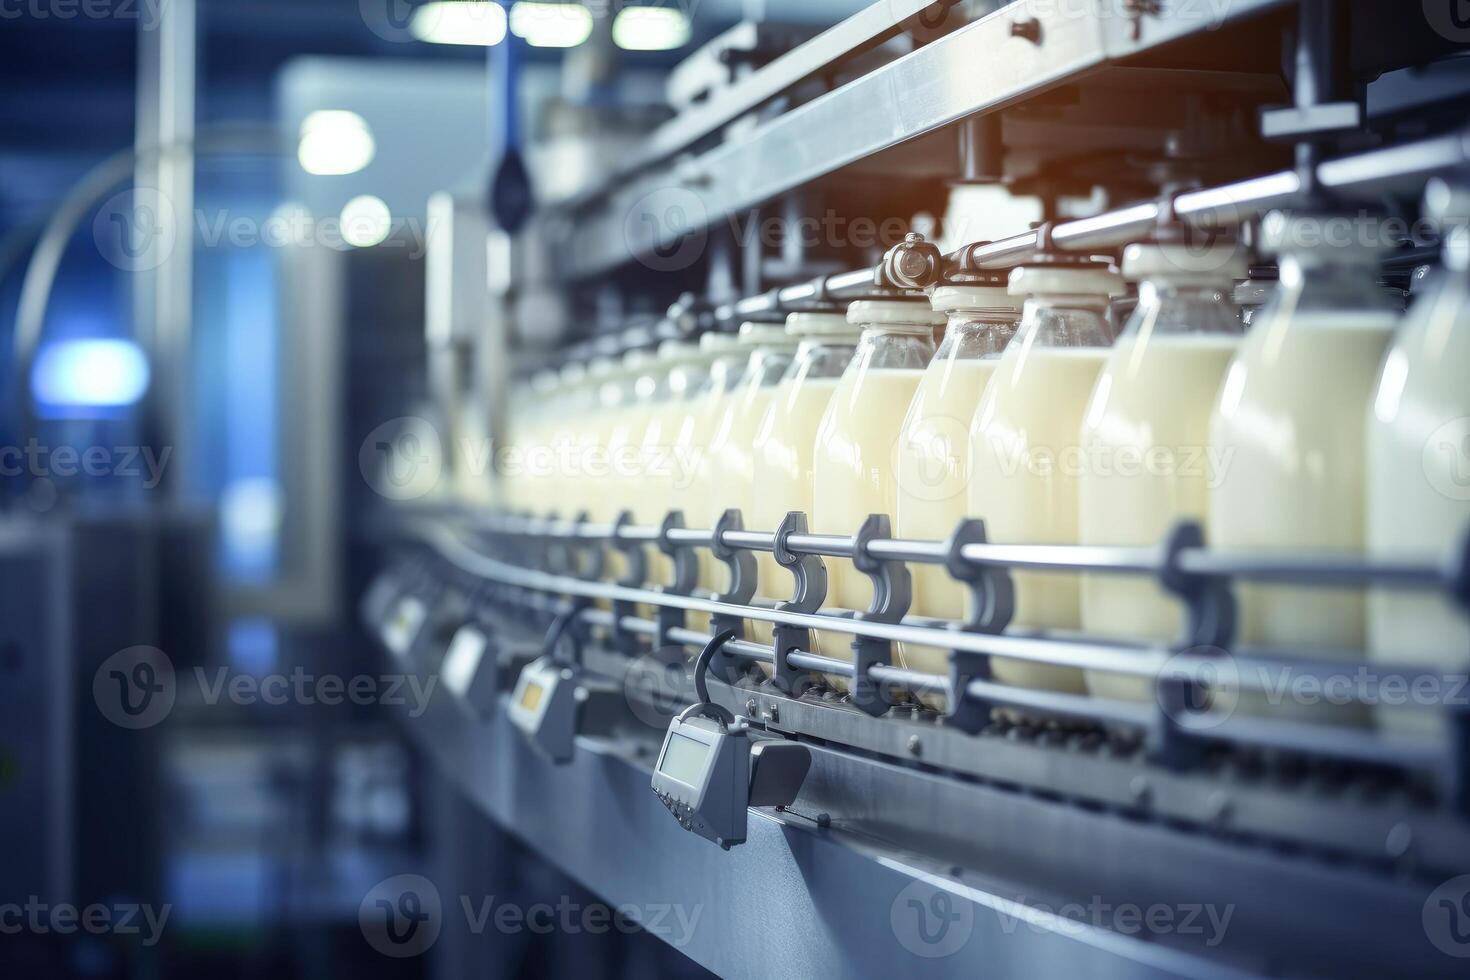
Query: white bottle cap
x=1047, y=279
x=947, y=299
x=676, y=351
x=763, y=334
x=637, y=360
x=820, y=324
x=1220, y=262
x=718, y=343
x=882, y=312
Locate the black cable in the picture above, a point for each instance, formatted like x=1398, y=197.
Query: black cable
x=559, y=627
x=702, y=662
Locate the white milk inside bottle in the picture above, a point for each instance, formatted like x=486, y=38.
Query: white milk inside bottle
x=784, y=457
x=625, y=443
x=609, y=434
x=701, y=501
x=732, y=456
x=1419, y=472
x=586, y=461
x=854, y=473
x=558, y=428
x=934, y=446
x=1146, y=435
x=1289, y=431
x=682, y=369
x=1025, y=442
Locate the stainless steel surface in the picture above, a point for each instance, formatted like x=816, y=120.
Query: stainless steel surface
x=1368, y=175
x=980, y=67
x=1164, y=664
x=862, y=30
x=795, y=900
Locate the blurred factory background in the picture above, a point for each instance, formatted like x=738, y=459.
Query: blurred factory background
x=222, y=389
x=270, y=268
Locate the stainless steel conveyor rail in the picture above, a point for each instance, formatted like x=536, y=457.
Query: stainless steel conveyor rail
x=1197, y=575
x=1403, y=167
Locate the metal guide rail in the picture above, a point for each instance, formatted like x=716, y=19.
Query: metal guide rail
x=916, y=264
x=1178, y=743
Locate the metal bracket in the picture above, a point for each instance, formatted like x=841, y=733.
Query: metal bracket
x=810, y=574
x=686, y=575
x=1209, y=625
x=913, y=263
x=741, y=564
x=992, y=603
x=637, y=572
x=596, y=558
x=892, y=593
x=1208, y=600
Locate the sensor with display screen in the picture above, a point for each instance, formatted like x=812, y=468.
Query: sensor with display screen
x=545, y=705
x=403, y=624
x=710, y=770
x=471, y=669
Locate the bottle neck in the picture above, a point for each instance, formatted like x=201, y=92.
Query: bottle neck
x=1177, y=308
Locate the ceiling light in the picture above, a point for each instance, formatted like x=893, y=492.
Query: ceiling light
x=479, y=22
x=366, y=221
x=650, y=29
x=551, y=25
x=335, y=142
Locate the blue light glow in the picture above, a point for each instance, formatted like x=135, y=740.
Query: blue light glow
x=89, y=374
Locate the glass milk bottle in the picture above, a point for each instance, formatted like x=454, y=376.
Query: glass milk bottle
x=561, y=436
x=854, y=473
x=682, y=367
x=624, y=408
x=784, y=455
x=934, y=445
x=732, y=457
x=1145, y=437
x=701, y=500
x=1419, y=469
x=1024, y=441
x=1288, y=429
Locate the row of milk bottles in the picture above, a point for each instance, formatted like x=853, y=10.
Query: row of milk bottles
x=1329, y=423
